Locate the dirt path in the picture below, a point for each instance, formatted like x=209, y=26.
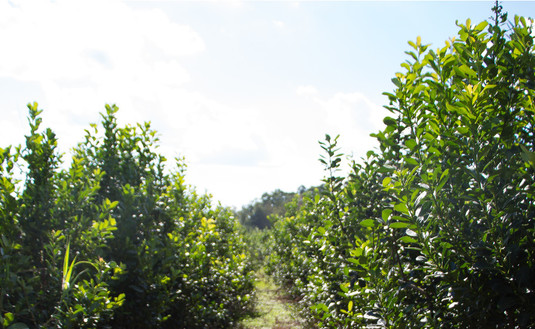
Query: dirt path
x=274, y=311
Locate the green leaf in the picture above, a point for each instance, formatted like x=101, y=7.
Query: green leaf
x=447, y=245
x=467, y=71
x=399, y=225
x=410, y=143
x=396, y=82
x=357, y=252
x=460, y=110
x=443, y=179
x=444, y=175
x=389, y=121
x=399, y=218
x=8, y=317
x=407, y=239
x=368, y=223
x=481, y=26
x=353, y=260
x=428, y=136
x=67, y=269
x=434, y=150
x=401, y=207
x=385, y=214
x=66, y=261
x=411, y=161
x=527, y=155
x=463, y=130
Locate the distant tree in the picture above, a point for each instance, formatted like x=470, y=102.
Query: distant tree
x=257, y=213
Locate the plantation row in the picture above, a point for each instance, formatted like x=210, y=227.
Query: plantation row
x=435, y=228
x=113, y=241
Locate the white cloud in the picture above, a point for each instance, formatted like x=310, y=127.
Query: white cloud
x=84, y=54
x=288, y=137
x=353, y=116
x=306, y=90
x=279, y=24
x=62, y=41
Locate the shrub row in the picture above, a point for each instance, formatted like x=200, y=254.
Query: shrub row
x=113, y=241
x=435, y=228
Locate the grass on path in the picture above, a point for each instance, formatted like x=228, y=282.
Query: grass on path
x=274, y=311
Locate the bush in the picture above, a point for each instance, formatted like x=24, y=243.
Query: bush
x=114, y=240
x=436, y=228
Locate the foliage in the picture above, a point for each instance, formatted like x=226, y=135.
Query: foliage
x=114, y=240
x=259, y=246
x=435, y=229
x=258, y=217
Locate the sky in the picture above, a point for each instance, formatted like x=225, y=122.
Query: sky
x=244, y=90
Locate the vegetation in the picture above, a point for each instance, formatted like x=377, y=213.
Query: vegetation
x=273, y=310
x=257, y=213
x=114, y=241
x=434, y=229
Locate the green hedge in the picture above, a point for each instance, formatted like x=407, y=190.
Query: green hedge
x=435, y=228
x=114, y=241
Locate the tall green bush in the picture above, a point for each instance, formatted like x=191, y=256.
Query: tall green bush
x=434, y=229
x=37, y=225
x=114, y=240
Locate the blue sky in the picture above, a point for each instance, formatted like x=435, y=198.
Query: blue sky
x=243, y=89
